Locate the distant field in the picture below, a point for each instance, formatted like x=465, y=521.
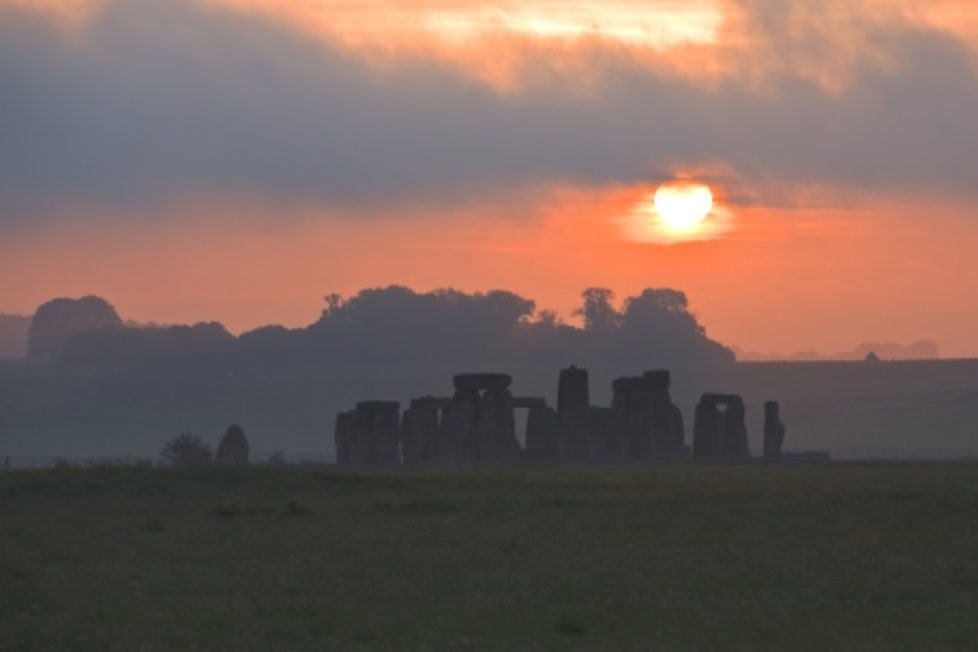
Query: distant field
x=786, y=557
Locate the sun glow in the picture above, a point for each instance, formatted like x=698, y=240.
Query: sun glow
x=682, y=207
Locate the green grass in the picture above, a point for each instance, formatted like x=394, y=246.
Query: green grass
x=800, y=557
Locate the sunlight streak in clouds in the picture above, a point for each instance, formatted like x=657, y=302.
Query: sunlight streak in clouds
x=655, y=24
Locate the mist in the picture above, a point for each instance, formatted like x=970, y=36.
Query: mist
x=98, y=385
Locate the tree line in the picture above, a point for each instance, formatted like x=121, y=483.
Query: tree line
x=391, y=326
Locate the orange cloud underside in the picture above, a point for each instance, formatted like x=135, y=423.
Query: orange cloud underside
x=496, y=40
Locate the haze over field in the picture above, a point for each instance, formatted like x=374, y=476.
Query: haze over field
x=97, y=384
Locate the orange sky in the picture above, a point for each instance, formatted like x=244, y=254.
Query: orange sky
x=782, y=280
x=817, y=267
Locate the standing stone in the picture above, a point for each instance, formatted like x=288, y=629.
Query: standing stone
x=644, y=417
x=542, y=434
x=388, y=424
x=356, y=439
x=660, y=415
x=480, y=424
x=359, y=436
x=717, y=434
x=458, y=429
x=706, y=430
x=665, y=418
x=573, y=403
x=638, y=416
x=379, y=430
x=734, y=443
x=424, y=426
x=233, y=449
x=573, y=398
x=497, y=427
x=774, y=430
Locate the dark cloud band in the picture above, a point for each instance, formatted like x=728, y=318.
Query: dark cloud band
x=163, y=100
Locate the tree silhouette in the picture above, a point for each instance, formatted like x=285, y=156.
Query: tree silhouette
x=395, y=330
x=600, y=316
x=56, y=321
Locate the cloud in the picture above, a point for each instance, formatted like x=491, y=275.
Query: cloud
x=152, y=102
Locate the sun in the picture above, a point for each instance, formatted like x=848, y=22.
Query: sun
x=683, y=206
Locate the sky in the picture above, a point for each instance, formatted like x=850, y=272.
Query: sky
x=237, y=160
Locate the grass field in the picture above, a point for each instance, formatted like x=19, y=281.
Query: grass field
x=689, y=557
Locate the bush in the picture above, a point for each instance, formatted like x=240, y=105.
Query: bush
x=186, y=450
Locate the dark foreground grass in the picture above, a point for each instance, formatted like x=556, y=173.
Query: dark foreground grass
x=820, y=557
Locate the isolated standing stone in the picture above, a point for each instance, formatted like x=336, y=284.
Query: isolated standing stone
x=233, y=449
x=774, y=430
